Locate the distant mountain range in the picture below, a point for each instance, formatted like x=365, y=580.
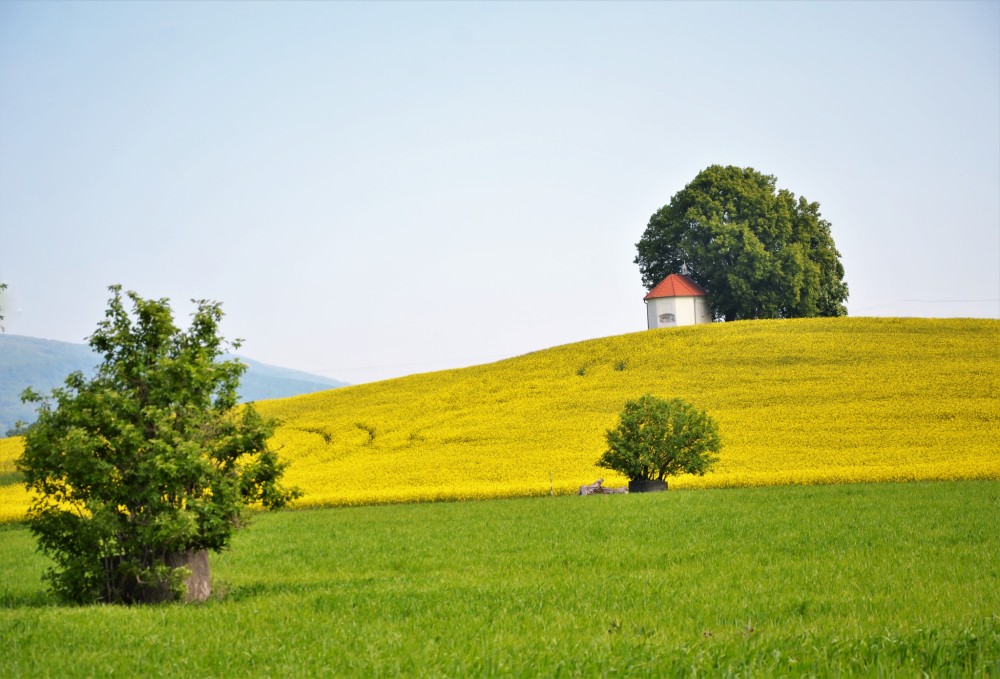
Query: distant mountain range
x=43, y=364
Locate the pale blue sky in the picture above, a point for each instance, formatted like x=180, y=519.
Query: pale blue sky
x=376, y=189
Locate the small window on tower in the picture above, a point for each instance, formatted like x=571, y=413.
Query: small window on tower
x=666, y=318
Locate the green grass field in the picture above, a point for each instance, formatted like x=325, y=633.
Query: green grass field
x=878, y=579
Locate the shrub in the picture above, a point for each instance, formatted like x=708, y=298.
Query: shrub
x=149, y=459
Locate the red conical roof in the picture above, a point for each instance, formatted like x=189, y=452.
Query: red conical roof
x=676, y=285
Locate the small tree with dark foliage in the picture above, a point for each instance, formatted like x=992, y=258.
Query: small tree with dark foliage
x=656, y=438
x=3, y=286
x=151, y=458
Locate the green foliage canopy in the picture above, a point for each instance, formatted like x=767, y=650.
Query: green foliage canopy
x=150, y=457
x=656, y=438
x=759, y=251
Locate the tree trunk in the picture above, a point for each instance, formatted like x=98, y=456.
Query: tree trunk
x=646, y=486
x=197, y=586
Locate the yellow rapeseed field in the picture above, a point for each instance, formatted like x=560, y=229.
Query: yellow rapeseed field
x=797, y=402
x=13, y=497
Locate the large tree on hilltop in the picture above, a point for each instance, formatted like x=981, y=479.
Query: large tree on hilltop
x=759, y=251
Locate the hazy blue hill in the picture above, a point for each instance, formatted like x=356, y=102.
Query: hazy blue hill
x=44, y=364
x=37, y=363
x=262, y=381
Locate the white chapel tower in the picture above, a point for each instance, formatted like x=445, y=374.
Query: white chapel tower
x=677, y=300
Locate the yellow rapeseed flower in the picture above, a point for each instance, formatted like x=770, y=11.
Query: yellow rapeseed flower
x=797, y=402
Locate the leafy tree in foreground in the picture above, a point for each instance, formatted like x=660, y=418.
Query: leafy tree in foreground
x=149, y=459
x=759, y=251
x=656, y=438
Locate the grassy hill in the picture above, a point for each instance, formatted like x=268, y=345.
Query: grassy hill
x=798, y=402
x=44, y=364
